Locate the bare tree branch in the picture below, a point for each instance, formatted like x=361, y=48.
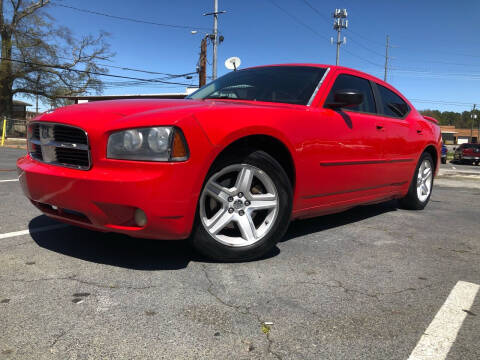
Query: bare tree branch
x=48, y=60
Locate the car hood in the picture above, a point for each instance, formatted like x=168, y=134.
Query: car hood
x=113, y=114
x=115, y=110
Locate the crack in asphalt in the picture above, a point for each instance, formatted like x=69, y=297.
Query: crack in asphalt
x=57, y=338
x=340, y=285
x=244, y=310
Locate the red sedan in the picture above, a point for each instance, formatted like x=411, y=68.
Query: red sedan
x=232, y=164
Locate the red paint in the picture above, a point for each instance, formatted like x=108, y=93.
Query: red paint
x=337, y=165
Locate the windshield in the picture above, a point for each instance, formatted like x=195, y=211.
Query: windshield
x=282, y=84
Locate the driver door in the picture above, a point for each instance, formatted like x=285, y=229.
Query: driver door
x=349, y=160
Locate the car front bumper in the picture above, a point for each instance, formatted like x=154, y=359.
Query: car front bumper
x=106, y=198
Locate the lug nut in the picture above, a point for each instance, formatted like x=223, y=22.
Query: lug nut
x=247, y=203
x=230, y=210
x=230, y=199
x=240, y=194
x=241, y=213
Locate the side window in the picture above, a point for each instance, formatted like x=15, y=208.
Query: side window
x=392, y=104
x=350, y=82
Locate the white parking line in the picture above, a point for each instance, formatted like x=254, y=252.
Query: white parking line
x=8, y=180
x=32, y=231
x=440, y=335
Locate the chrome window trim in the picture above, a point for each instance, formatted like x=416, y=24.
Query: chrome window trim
x=318, y=87
x=85, y=147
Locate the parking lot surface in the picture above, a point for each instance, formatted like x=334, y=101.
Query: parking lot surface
x=362, y=284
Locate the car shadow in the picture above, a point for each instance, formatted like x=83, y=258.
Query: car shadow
x=117, y=249
x=308, y=226
x=151, y=255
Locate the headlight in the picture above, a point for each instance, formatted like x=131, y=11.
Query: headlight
x=160, y=143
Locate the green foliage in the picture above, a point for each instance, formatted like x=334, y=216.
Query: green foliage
x=461, y=120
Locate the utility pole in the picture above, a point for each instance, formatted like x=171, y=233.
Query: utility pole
x=215, y=42
x=386, y=57
x=478, y=133
x=202, y=69
x=214, y=36
x=340, y=22
x=473, y=116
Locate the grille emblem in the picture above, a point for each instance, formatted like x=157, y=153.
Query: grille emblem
x=46, y=134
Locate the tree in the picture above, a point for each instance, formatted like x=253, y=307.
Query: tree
x=41, y=59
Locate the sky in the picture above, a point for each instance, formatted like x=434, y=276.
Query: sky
x=435, y=46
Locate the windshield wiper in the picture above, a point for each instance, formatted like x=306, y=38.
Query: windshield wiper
x=222, y=97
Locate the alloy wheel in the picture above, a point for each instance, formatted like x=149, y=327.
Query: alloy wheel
x=424, y=180
x=239, y=205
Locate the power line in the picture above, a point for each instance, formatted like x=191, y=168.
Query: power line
x=327, y=20
x=138, y=70
x=421, y=73
x=297, y=20
x=442, y=102
x=93, y=72
x=92, y=12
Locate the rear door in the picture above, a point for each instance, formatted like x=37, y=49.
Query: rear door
x=403, y=135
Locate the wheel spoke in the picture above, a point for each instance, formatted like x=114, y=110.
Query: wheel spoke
x=424, y=189
x=427, y=172
x=261, y=202
x=217, y=191
x=244, y=180
x=419, y=180
x=215, y=217
x=222, y=220
x=247, y=227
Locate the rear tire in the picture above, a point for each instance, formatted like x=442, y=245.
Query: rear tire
x=421, y=185
x=244, y=208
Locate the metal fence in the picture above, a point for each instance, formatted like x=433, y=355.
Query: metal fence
x=14, y=128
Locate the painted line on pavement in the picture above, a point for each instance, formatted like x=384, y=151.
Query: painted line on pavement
x=440, y=335
x=8, y=180
x=32, y=231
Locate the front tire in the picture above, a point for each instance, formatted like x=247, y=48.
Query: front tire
x=244, y=208
x=421, y=186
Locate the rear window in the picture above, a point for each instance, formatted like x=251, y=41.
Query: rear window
x=471, y=146
x=392, y=104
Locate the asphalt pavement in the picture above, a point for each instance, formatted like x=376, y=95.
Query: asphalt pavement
x=362, y=284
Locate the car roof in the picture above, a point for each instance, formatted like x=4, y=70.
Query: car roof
x=332, y=68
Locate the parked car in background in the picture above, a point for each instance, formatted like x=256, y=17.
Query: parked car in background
x=444, y=153
x=232, y=164
x=467, y=153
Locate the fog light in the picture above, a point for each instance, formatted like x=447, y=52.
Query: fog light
x=140, y=218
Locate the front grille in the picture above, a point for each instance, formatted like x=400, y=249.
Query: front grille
x=61, y=145
x=68, y=134
x=37, y=152
x=72, y=156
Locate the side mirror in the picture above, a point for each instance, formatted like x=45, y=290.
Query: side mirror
x=346, y=98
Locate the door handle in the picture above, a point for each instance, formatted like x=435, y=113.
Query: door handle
x=379, y=127
x=419, y=132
